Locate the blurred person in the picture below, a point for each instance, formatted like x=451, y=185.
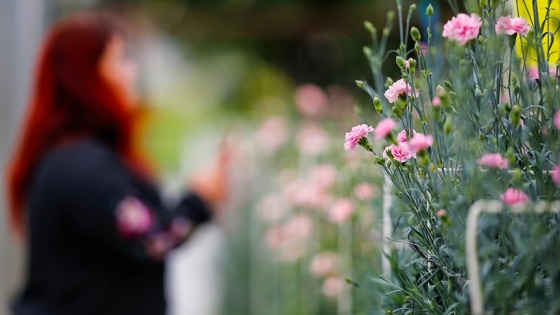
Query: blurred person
x=81, y=196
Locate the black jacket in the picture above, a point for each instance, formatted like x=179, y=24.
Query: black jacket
x=98, y=235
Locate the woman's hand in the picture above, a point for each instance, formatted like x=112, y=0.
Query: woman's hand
x=212, y=184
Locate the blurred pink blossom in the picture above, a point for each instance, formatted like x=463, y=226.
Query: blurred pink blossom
x=436, y=101
x=493, y=160
x=533, y=72
x=557, y=119
x=354, y=136
x=420, y=142
x=341, y=211
x=509, y=26
x=365, y=191
x=397, y=88
x=555, y=174
x=274, y=237
x=402, y=137
x=323, y=264
x=272, y=134
x=311, y=100
x=441, y=213
x=407, y=62
x=462, y=28
x=324, y=175
x=332, y=286
x=133, y=217
x=383, y=128
x=272, y=207
x=299, y=227
x=514, y=196
x=312, y=139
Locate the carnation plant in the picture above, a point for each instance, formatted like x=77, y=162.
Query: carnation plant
x=475, y=117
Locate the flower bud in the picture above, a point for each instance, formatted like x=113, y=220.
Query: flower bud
x=415, y=34
x=483, y=3
x=367, y=51
x=494, y=4
x=370, y=27
x=412, y=8
x=430, y=10
x=397, y=111
x=515, y=115
x=517, y=175
x=386, y=32
x=440, y=91
x=388, y=82
x=400, y=62
x=361, y=84
x=447, y=85
x=447, y=127
x=390, y=16
x=377, y=105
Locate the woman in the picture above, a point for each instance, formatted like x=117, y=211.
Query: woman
x=97, y=231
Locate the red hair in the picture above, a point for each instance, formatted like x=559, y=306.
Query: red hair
x=70, y=100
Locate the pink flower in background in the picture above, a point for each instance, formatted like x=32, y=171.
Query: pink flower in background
x=462, y=28
x=420, y=142
x=324, y=264
x=407, y=62
x=365, y=191
x=400, y=152
x=533, y=72
x=514, y=196
x=324, y=176
x=383, y=128
x=402, y=137
x=354, y=136
x=557, y=119
x=509, y=26
x=332, y=287
x=311, y=100
x=313, y=139
x=555, y=174
x=493, y=160
x=341, y=211
x=436, y=101
x=299, y=227
x=272, y=134
x=397, y=88
x=133, y=217
x=272, y=207
x=441, y=213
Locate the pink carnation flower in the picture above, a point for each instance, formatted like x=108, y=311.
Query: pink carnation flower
x=557, y=119
x=402, y=137
x=441, y=213
x=436, y=101
x=493, y=160
x=462, y=28
x=311, y=100
x=383, y=128
x=397, y=88
x=354, y=136
x=400, y=152
x=420, y=142
x=555, y=174
x=341, y=211
x=514, y=196
x=324, y=264
x=509, y=26
x=365, y=191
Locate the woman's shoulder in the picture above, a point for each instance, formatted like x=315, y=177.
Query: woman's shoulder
x=80, y=155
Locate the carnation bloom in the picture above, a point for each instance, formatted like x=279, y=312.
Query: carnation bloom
x=509, y=26
x=420, y=142
x=462, y=28
x=557, y=119
x=354, y=136
x=514, y=196
x=332, y=287
x=402, y=137
x=383, y=128
x=400, y=152
x=436, y=101
x=441, y=213
x=493, y=160
x=341, y=211
x=397, y=88
x=555, y=174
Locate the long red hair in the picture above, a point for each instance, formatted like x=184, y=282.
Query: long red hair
x=70, y=100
